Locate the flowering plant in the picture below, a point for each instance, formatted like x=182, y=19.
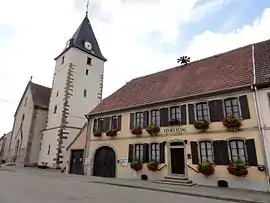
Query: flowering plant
x=136, y=165
x=136, y=131
x=232, y=123
x=202, y=125
x=206, y=168
x=238, y=168
x=152, y=165
x=174, y=122
x=153, y=129
x=112, y=133
x=97, y=133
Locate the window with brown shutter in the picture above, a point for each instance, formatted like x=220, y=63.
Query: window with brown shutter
x=206, y=151
x=231, y=106
x=138, y=152
x=202, y=111
x=238, y=150
x=164, y=117
x=100, y=124
x=175, y=113
x=155, y=117
x=155, y=152
x=139, y=119
x=114, y=122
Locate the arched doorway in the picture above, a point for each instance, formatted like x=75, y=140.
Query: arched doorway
x=104, y=162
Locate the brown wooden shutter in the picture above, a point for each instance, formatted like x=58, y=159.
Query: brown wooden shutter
x=164, y=117
x=107, y=122
x=191, y=114
x=194, y=152
x=119, y=122
x=130, y=152
x=216, y=110
x=162, y=152
x=184, y=114
x=132, y=119
x=145, y=119
x=95, y=125
x=251, y=152
x=145, y=152
x=244, y=107
x=103, y=126
x=221, y=155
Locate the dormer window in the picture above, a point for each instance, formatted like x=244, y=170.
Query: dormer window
x=62, y=59
x=89, y=61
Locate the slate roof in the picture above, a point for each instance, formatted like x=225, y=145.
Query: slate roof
x=40, y=95
x=85, y=33
x=216, y=73
x=262, y=62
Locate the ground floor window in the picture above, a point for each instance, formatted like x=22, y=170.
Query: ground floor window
x=206, y=151
x=237, y=149
x=155, y=152
x=138, y=152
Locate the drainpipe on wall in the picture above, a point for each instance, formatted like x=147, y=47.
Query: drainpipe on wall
x=259, y=121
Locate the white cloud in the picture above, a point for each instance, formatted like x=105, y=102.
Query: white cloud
x=43, y=27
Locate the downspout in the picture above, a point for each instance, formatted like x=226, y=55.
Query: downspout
x=259, y=121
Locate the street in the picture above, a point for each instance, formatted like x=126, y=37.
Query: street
x=33, y=186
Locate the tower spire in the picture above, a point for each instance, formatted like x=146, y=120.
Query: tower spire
x=87, y=7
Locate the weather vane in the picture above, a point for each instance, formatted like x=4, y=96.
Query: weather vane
x=87, y=7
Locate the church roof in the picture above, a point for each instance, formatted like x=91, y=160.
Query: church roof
x=232, y=69
x=83, y=34
x=40, y=95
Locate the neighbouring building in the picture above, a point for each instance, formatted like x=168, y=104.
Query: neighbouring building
x=75, y=161
x=157, y=125
x=262, y=92
x=76, y=90
x=2, y=147
x=5, y=155
x=29, y=121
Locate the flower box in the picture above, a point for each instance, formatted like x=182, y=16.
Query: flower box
x=112, y=133
x=206, y=168
x=232, y=123
x=152, y=166
x=136, y=165
x=174, y=122
x=202, y=125
x=153, y=130
x=98, y=134
x=238, y=168
x=136, y=131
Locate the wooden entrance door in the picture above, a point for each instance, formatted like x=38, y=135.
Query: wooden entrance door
x=177, y=161
x=76, y=162
x=104, y=162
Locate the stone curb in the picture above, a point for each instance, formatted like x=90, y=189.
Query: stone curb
x=181, y=192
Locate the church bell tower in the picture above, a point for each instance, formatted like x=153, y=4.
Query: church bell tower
x=76, y=90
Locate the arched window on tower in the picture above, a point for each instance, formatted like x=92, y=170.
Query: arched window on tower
x=22, y=118
x=55, y=109
x=85, y=93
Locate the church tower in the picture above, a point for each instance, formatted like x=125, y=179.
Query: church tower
x=76, y=90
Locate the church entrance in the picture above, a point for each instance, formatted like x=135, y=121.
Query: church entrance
x=104, y=162
x=76, y=162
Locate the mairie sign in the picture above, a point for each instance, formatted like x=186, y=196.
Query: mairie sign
x=175, y=130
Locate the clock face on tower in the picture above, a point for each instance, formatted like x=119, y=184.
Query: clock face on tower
x=88, y=45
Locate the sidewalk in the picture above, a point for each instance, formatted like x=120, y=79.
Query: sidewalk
x=226, y=194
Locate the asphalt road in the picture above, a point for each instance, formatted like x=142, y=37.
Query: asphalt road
x=36, y=187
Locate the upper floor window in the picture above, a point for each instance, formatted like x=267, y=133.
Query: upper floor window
x=155, y=117
x=89, y=61
x=175, y=113
x=85, y=93
x=99, y=124
x=138, y=152
x=154, y=152
x=55, y=109
x=57, y=93
x=49, y=150
x=232, y=107
x=86, y=72
x=202, y=111
x=63, y=59
x=139, y=119
x=237, y=150
x=114, y=124
x=206, y=151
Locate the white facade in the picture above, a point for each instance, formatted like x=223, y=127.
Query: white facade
x=264, y=107
x=71, y=69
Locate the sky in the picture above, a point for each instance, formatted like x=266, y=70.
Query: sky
x=138, y=37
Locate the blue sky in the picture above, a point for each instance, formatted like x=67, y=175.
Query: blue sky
x=144, y=37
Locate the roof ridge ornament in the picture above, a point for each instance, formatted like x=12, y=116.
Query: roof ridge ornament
x=87, y=8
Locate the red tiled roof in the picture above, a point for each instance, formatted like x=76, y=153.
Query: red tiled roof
x=219, y=72
x=262, y=62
